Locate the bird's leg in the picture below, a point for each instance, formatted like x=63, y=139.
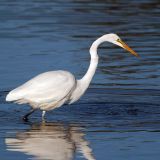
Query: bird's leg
x=43, y=114
x=25, y=117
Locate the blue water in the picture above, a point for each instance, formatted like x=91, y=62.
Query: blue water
x=119, y=116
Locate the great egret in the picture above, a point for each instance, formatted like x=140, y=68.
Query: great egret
x=52, y=89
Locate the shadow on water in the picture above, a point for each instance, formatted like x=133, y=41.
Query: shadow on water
x=51, y=141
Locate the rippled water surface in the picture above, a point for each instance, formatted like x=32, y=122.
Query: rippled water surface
x=119, y=116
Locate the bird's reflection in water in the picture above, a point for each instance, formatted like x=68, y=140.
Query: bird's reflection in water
x=51, y=141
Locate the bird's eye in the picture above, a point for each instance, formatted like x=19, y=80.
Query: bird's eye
x=118, y=40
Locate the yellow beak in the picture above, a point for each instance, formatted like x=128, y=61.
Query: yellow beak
x=125, y=46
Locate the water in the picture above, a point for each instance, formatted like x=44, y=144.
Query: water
x=119, y=116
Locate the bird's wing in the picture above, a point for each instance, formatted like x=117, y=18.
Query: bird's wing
x=46, y=87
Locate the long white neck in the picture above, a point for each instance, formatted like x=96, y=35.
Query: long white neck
x=83, y=83
x=93, y=62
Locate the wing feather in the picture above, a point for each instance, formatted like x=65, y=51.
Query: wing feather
x=46, y=87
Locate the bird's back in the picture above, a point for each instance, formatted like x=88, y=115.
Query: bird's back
x=46, y=87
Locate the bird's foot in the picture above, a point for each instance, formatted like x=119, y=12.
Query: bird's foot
x=25, y=119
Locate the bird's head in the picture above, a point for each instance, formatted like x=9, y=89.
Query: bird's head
x=115, y=39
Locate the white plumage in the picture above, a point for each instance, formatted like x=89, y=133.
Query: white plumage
x=52, y=89
x=45, y=91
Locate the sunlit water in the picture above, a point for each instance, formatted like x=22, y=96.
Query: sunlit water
x=119, y=116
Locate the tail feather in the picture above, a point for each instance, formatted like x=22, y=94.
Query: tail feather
x=13, y=96
x=21, y=101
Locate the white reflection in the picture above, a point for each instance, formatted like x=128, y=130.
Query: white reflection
x=51, y=141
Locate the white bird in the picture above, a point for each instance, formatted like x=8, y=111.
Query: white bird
x=52, y=89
